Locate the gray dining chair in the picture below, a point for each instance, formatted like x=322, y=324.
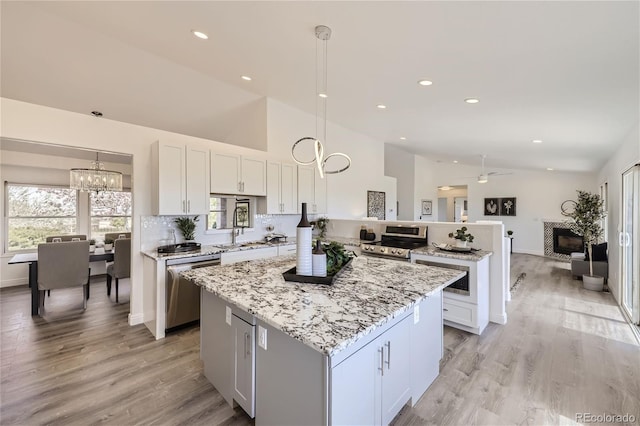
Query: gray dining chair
x=63, y=265
x=65, y=238
x=116, y=235
x=121, y=266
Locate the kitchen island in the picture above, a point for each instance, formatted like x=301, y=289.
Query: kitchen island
x=351, y=353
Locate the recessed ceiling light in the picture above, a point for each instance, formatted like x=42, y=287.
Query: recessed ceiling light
x=444, y=188
x=472, y=100
x=402, y=138
x=96, y=113
x=323, y=95
x=455, y=161
x=549, y=168
x=200, y=34
x=245, y=77
x=425, y=83
x=380, y=106
x=536, y=141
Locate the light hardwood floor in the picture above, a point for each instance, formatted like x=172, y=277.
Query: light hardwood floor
x=565, y=350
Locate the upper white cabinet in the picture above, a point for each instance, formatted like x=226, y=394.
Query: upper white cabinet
x=236, y=174
x=180, y=179
x=312, y=190
x=282, y=196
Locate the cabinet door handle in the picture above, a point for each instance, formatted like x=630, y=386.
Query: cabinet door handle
x=246, y=340
x=445, y=309
x=381, y=368
x=388, y=361
x=242, y=186
x=184, y=210
x=189, y=206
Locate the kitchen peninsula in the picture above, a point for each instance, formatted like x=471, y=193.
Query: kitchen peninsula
x=351, y=353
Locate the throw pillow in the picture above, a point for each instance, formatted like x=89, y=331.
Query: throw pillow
x=599, y=253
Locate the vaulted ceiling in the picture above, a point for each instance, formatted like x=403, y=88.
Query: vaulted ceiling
x=566, y=73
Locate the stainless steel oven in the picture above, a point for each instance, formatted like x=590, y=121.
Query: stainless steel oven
x=397, y=242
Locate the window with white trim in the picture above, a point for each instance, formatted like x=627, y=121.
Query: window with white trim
x=37, y=211
x=110, y=212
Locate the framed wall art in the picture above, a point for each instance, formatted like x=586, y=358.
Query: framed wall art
x=508, y=206
x=427, y=207
x=376, y=204
x=491, y=206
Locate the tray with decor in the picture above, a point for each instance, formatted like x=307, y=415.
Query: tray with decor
x=448, y=247
x=290, y=275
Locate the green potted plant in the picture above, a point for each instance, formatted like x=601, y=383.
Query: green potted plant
x=92, y=245
x=108, y=244
x=187, y=226
x=585, y=221
x=321, y=225
x=461, y=236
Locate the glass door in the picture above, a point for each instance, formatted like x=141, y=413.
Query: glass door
x=630, y=243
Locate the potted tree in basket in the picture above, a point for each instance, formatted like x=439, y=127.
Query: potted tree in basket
x=585, y=221
x=462, y=237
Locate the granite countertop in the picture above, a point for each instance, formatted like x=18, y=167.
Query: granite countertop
x=369, y=293
x=347, y=241
x=473, y=256
x=214, y=249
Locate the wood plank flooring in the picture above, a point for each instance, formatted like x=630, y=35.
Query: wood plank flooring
x=565, y=350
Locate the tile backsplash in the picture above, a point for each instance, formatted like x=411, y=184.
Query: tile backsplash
x=156, y=230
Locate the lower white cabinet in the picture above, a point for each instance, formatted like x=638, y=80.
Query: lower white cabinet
x=373, y=384
x=244, y=365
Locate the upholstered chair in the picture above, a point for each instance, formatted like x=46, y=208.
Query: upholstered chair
x=121, y=266
x=63, y=265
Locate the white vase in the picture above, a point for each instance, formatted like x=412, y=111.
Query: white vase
x=108, y=247
x=319, y=261
x=461, y=244
x=304, y=262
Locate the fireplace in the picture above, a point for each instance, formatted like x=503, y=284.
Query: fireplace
x=566, y=242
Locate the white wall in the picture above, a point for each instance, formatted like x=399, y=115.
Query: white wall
x=424, y=189
x=626, y=156
x=346, y=191
x=401, y=165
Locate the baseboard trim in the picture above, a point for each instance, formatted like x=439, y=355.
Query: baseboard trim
x=499, y=319
x=14, y=282
x=135, y=319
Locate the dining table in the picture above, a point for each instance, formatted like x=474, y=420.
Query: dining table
x=98, y=255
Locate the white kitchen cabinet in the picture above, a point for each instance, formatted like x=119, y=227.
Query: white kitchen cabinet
x=373, y=384
x=312, y=190
x=282, y=189
x=236, y=174
x=244, y=365
x=180, y=179
x=250, y=254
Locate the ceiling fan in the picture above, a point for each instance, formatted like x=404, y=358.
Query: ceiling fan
x=484, y=176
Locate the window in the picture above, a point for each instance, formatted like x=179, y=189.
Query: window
x=110, y=212
x=36, y=211
x=222, y=208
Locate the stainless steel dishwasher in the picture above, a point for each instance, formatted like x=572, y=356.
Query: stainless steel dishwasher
x=183, y=297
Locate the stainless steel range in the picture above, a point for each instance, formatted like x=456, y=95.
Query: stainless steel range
x=397, y=241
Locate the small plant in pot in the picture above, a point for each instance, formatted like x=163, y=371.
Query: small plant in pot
x=585, y=221
x=462, y=237
x=321, y=225
x=510, y=233
x=92, y=245
x=187, y=226
x=108, y=244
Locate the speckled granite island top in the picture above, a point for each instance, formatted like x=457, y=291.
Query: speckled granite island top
x=370, y=292
x=473, y=256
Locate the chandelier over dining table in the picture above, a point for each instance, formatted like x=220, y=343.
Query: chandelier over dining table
x=96, y=178
x=323, y=34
